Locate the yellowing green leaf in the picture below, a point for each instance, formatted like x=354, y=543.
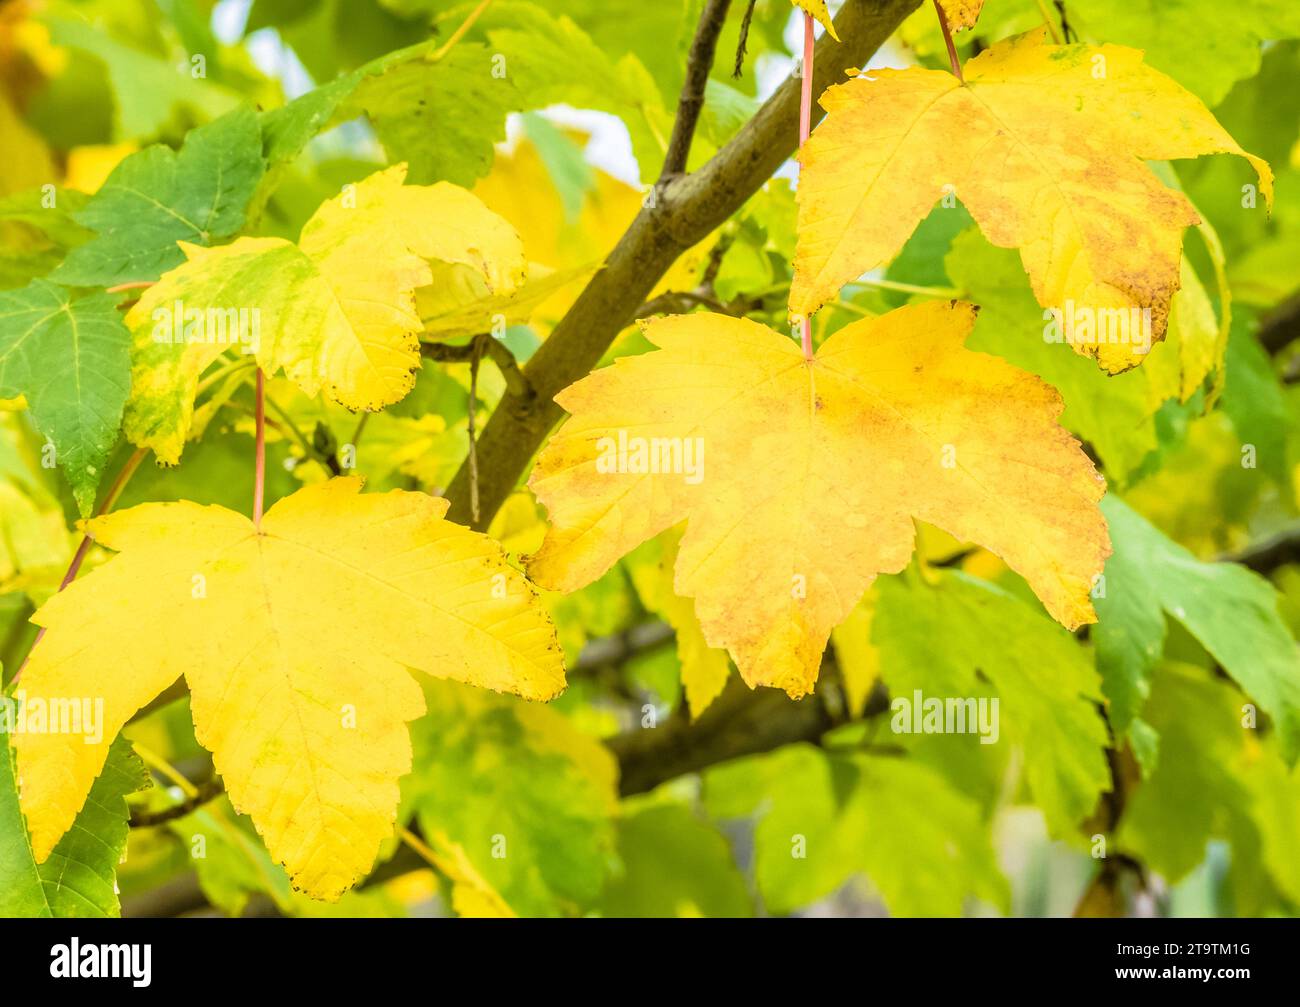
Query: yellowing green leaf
x=1200, y=784
x=893, y=419
x=294, y=640
x=1044, y=145
x=1204, y=45
x=704, y=668
x=33, y=540
x=673, y=865
x=528, y=798
x=858, y=658
x=1115, y=413
x=148, y=91
x=336, y=311
x=27, y=162
x=471, y=895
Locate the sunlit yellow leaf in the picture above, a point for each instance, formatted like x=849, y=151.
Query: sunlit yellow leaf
x=892, y=420
x=294, y=640
x=817, y=8
x=961, y=13
x=1044, y=145
x=704, y=669
x=26, y=163
x=88, y=167
x=335, y=312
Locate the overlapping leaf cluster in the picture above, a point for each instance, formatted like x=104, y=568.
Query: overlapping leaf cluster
x=944, y=498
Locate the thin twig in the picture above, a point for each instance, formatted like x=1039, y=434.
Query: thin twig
x=716, y=254
x=805, y=129
x=259, y=464
x=164, y=769
x=500, y=353
x=692, y=207
x=79, y=557
x=361, y=428
x=506, y=363
x=691, y=102
x=208, y=790
x=1066, y=30
x=943, y=293
x=1280, y=327
x=744, y=39
x=446, y=353
x=286, y=423
x=1267, y=555
x=459, y=33
x=1050, y=22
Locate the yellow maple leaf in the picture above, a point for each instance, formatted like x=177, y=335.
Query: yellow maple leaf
x=27, y=162
x=336, y=311
x=704, y=669
x=521, y=189
x=472, y=895
x=456, y=303
x=961, y=14
x=1044, y=145
x=294, y=640
x=817, y=9
x=799, y=479
x=858, y=658
x=89, y=166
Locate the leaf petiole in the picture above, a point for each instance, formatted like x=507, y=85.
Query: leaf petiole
x=805, y=129
x=259, y=465
x=1050, y=22
x=947, y=38
x=79, y=557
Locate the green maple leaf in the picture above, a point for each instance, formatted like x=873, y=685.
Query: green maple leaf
x=489, y=766
x=79, y=877
x=921, y=842
x=157, y=197
x=1214, y=779
x=942, y=639
x=1231, y=610
x=70, y=357
x=149, y=92
x=1205, y=45
x=673, y=864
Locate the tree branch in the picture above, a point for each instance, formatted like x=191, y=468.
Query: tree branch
x=691, y=102
x=448, y=353
x=1267, y=555
x=740, y=722
x=686, y=209
x=1281, y=327
x=739, y=66
x=208, y=790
